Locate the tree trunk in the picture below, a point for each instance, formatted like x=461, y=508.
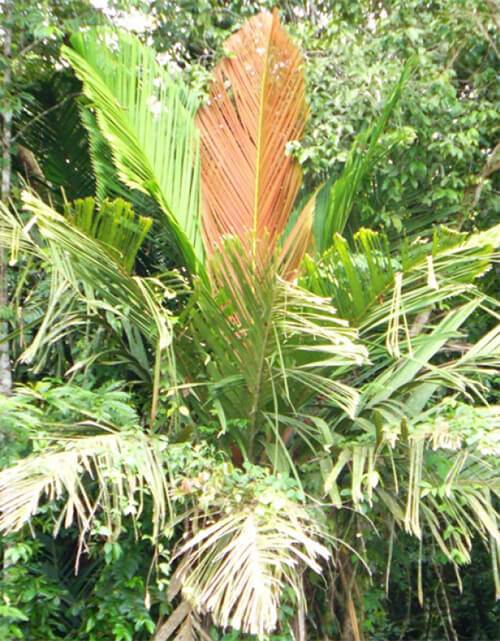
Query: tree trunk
x=5, y=368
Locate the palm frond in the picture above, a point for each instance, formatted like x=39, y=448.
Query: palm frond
x=107, y=183
x=183, y=624
x=96, y=273
x=335, y=204
x=397, y=303
x=256, y=105
x=62, y=317
x=406, y=370
x=271, y=345
x=94, y=269
x=363, y=280
x=122, y=465
x=114, y=224
x=236, y=568
x=429, y=479
x=147, y=118
x=49, y=125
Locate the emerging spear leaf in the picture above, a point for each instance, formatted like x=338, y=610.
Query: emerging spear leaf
x=335, y=202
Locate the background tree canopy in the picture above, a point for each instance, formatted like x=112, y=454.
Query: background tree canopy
x=249, y=320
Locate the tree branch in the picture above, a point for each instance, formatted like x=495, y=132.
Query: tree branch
x=473, y=193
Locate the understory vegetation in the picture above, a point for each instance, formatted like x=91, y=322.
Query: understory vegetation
x=249, y=321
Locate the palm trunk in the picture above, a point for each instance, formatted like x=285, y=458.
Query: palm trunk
x=352, y=615
x=5, y=368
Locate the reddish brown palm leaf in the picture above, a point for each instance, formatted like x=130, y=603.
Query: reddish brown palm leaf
x=299, y=241
x=257, y=105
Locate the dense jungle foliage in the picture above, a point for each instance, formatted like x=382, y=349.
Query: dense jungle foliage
x=249, y=320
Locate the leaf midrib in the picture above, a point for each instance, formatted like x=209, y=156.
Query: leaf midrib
x=259, y=144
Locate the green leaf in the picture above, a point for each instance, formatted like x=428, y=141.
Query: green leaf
x=147, y=118
x=114, y=224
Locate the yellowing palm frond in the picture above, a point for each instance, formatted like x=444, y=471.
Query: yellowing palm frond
x=428, y=479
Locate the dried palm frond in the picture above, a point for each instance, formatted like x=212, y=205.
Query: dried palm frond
x=121, y=465
x=236, y=568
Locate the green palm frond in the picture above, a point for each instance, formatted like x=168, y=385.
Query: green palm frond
x=411, y=311
x=367, y=281
x=93, y=269
x=107, y=183
x=49, y=125
x=96, y=273
x=114, y=224
x=63, y=316
x=271, y=345
x=415, y=367
x=335, y=201
x=147, y=118
x=399, y=305
x=236, y=568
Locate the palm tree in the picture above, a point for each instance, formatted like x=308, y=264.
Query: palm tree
x=335, y=375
